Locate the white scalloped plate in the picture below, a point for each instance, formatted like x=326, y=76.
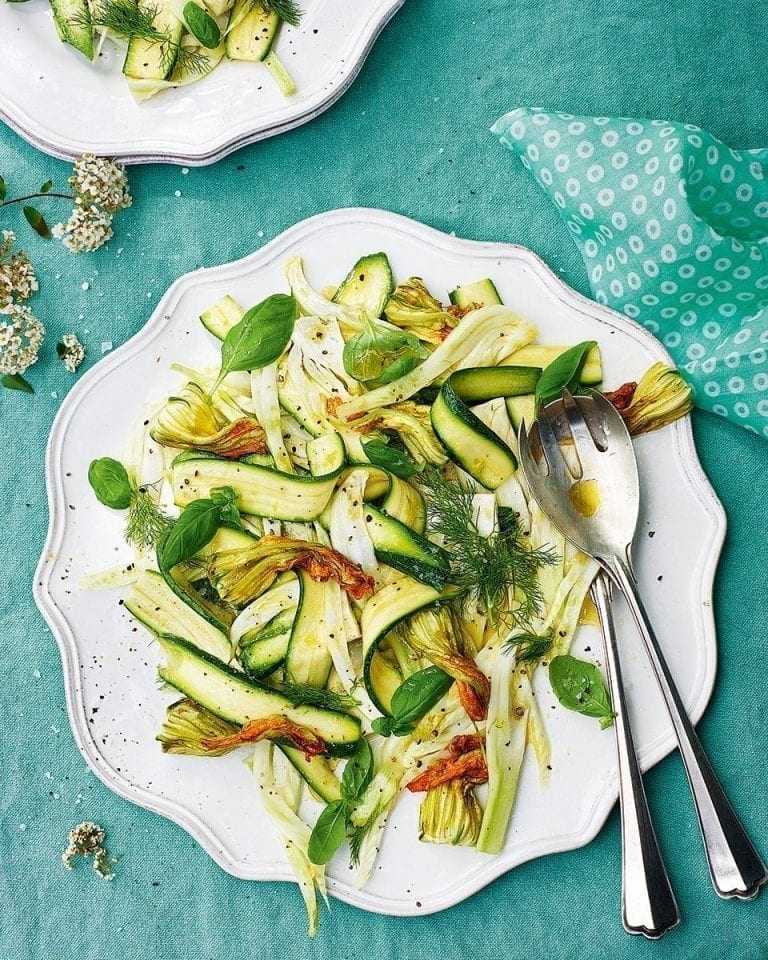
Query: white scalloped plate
x=65, y=106
x=109, y=664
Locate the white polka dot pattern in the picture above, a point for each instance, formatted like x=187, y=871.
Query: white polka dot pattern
x=673, y=228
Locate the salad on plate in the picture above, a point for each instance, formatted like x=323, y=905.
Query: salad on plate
x=172, y=43
x=345, y=574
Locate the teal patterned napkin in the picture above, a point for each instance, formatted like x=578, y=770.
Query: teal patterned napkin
x=673, y=228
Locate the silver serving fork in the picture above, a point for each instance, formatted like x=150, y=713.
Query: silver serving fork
x=602, y=455
x=648, y=902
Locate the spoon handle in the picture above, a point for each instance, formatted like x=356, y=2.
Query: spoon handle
x=648, y=902
x=735, y=866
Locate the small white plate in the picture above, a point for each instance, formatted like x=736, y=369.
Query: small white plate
x=64, y=105
x=109, y=662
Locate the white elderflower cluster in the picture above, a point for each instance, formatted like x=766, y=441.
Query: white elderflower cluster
x=99, y=181
x=87, y=840
x=87, y=229
x=101, y=189
x=21, y=336
x=17, y=276
x=71, y=351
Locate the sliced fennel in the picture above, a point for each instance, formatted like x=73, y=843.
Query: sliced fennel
x=348, y=530
x=266, y=404
x=314, y=304
x=484, y=337
x=279, y=787
x=505, y=740
x=119, y=576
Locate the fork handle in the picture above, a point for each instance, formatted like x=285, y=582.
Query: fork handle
x=648, y=902
x=735, y=866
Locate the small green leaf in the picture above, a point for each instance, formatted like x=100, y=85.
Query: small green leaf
x=578, y=685
x=563, y=373
x=3, y=190
x=358, y=772
x=381, y=353
x=416, y=696
x=225, y=499
x=201, y=25
x=111, y=483
x=195, y=528
x=390, y=458
x=328, y=833
x=46, y=187
x=37, y=221
x=382, y=726
x=260, y=337
x=15, y=381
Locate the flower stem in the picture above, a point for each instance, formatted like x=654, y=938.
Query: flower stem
x=36, y=196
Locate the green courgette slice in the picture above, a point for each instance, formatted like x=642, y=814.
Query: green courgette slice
x=233, y=697
x=480, y=384
x=368, y=285
x=469, y=442
x=482, y=293
x=161, y=610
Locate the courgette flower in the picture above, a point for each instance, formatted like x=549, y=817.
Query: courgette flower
x=190, y=420
x=450, y=813
x=660, y=398
x=412, y=423
x=433, y=634
x=414, y=308
x=271, y=728
x=465, y=761
x=187, y=725
x=242, y=575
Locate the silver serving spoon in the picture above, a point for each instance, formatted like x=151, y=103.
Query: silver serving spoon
x=580, y=465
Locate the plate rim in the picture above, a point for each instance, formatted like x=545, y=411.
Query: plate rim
x=487, y=870
x=33, y=131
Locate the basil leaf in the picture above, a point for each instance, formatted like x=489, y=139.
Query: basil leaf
x=328, y=833
x=46, y=187
x=563, y=373
x=381, y=353
x=3, y=189
x=416, y=696
x=15, y=381
x=389, y=458
x=358, y=772
x=578, y=685
x=382, y=726
x=37, y=221
x=111, y=483
x=225, y=499
x=195, y=528
x=260, y=337
x=201, y=25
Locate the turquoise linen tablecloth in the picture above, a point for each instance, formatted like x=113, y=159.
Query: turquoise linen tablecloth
x=411, y=136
